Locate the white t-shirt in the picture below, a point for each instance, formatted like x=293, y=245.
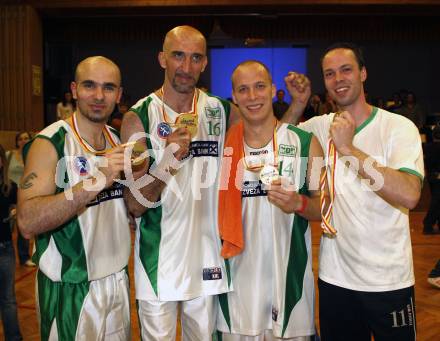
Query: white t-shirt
x=372, y=249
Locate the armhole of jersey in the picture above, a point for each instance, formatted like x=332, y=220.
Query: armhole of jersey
x=114, y=131
x=57, y=140
x=226, y=105
x=142, y=113
x=305, y=139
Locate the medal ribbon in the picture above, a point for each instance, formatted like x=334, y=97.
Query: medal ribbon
x=331, y=167
x=193, y=111
x=84, y=144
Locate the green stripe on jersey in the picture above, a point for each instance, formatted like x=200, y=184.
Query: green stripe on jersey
x=226, y=105
x=150, y=230
x=142, y=112
x=67, y=237
x=149, y=242
x=298, y=250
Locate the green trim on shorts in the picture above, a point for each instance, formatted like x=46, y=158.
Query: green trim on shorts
x=217, y=336
x=61, y=302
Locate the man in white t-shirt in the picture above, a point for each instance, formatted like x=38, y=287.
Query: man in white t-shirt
x=366, y=277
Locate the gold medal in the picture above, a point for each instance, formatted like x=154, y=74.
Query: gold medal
x=137, y=158
x=269, y=174
x=188, y=121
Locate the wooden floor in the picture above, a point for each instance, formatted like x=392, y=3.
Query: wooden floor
x=426, y=251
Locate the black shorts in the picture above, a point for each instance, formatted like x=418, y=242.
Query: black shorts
x=349, y=315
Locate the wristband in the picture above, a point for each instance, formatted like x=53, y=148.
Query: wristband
x=304, y=203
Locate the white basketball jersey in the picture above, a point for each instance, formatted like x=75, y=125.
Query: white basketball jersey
x=177, y=249
x=273, y=279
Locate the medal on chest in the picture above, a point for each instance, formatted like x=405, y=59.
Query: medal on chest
x=188, y=120
x=264, y=162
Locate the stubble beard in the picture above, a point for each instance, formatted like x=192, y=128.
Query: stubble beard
x=92, y=117
x=184, y=88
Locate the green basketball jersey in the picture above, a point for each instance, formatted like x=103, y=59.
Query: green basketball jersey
x=96, y=242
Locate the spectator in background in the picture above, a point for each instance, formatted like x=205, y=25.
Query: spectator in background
x=432, y=162
x=434, y=276
x=115, y=120
x=313, y=108
x=412, y=110
x=379, y=103
x=395, y=103
x=280, y=106
x=329, y=105
x=66, y=107
x=15, y=170
x=8, y=304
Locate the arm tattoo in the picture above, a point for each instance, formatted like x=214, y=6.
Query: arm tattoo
x=27, y=181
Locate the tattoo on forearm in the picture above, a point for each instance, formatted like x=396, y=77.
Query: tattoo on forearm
x=27, y=181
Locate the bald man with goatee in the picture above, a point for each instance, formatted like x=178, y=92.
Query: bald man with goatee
x=70, y=203
x=177, y=248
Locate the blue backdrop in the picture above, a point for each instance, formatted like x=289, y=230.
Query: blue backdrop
x=279, y=60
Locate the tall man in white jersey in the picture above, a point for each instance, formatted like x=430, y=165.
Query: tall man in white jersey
x=366, y=277
x=273, y=295
x=69, y=201
x=177, y=248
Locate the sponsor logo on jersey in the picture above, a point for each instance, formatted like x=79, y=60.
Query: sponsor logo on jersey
x=212, y=274
x=253, y=189
x=259, y=152
x=81, y=166
x=213, y=113
x=204, y=148
x=163, y=130
x=115, y=191
x=287, y=150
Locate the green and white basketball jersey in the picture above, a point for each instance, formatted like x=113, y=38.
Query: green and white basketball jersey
x=177, y=248
x=96, y=242
x=273, y=279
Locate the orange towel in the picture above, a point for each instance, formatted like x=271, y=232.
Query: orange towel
x=229, y=214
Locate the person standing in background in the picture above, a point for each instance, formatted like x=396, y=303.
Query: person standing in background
x=66, y=107
x=280, y=106
x=412, y=110
x=16, y=168
x=8, y=303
